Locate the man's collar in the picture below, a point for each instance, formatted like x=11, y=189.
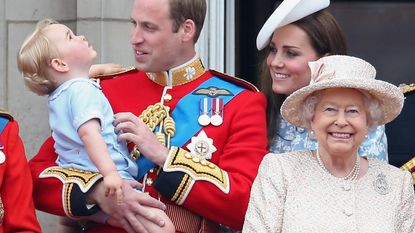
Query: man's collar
x=179, y=75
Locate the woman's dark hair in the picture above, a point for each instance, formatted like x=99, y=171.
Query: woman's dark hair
x=326, y=37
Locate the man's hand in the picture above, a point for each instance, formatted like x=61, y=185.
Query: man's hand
x=134, y=203
x=131, y=128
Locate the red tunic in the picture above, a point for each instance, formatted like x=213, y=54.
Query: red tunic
x=15, y=184
x=240, y=143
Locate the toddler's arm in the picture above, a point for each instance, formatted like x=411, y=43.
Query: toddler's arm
x=96, y=148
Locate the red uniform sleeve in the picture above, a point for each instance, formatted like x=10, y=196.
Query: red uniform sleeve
x=241, y=143
x=47, y=192
x=50, y=194
x=16, y=187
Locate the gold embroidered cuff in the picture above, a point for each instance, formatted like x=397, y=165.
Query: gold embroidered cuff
x=84, y=179
x=197, y=168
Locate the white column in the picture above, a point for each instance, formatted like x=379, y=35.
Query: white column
x=216, y=43
x=3, y=54
x=230, y=37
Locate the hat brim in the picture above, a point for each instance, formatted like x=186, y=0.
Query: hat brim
x=389, y=96
x=287, y=12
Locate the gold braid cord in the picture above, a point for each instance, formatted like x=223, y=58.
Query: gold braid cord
x=410, y=166
x=157, y=115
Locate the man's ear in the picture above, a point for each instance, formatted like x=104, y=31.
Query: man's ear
x=59, y=65
x=189, y=30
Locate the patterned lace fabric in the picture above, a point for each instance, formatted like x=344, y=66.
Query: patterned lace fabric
x=292, y=194
x=291, y=138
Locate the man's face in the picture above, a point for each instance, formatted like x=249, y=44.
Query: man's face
x=156, y=47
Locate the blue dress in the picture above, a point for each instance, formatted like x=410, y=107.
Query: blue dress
x=291, y=138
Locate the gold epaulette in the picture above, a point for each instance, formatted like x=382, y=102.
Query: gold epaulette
x=410, y=166
x=235, y=80
x=5, y=114
x=405, y=88
x=98, y=78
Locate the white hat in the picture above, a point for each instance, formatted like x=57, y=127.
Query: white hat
x=338, y=71
x=287, y=12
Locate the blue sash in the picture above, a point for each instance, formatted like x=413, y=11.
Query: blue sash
x=185, y=115
x=3, y=123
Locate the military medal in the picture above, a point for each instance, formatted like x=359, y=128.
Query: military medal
x=2, y=155
x=217, y=112
x=204, y=118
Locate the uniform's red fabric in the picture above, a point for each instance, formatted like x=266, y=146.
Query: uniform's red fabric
x=16, y=184
x=240, y=143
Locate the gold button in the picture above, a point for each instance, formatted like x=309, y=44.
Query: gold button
x=211, y=165
x=151, y=170
x=167, y=97
x=149, y=181
x=196, y=159
x=135, y=154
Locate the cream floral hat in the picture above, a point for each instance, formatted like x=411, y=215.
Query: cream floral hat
x=340, y=71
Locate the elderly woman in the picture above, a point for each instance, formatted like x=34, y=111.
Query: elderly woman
x=332, y=189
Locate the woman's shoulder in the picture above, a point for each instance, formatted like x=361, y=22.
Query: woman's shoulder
x=288, y=166
x=288, y=158
x=382, y=167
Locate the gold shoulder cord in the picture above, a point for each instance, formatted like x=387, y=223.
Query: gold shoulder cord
x=410, y=166
x=157, y=115
x=405, y=88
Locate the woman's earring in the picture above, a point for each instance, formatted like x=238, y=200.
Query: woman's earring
x=312, y=135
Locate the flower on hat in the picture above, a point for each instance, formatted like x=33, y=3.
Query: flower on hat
x=319, y=73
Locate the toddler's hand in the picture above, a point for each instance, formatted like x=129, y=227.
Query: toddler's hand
x=105, y=69
x=113, y=185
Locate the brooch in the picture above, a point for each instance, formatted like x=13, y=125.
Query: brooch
x=381, y=185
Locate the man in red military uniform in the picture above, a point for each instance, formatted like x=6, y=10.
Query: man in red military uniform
x=17, y=212
x=401, y=148
x=198, y=139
